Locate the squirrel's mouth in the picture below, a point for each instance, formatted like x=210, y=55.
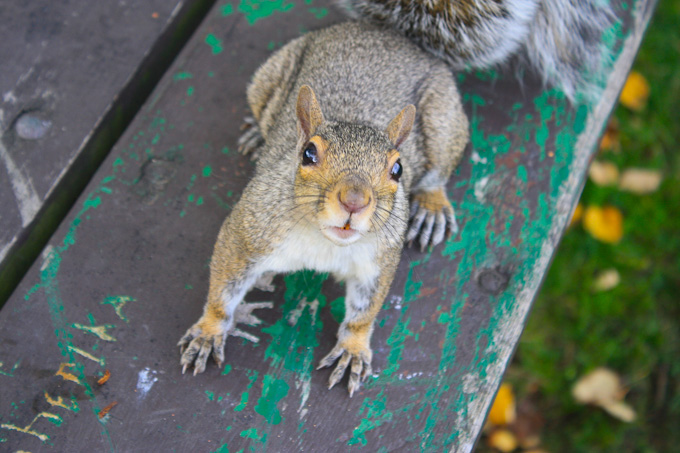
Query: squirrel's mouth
x=343, y=235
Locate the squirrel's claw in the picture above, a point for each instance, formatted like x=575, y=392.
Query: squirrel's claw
x=360, y=367
x=196, y=345
x=432, y=219
x=251, y=140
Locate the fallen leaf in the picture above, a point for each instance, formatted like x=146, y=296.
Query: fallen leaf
x=104, y=412
x=635, y=92
x=103, y=379
x=640, y=181
x=604, y=224
x=603, y=388
x=606, y=280
x=503, y=409
x=502, y=440
x=577, y=215
x=610, y=137
x=603, y=173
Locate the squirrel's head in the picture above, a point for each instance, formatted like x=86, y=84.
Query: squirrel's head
x=348, y=174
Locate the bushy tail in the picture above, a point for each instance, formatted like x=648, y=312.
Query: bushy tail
x=562, y=39
x=565, y=45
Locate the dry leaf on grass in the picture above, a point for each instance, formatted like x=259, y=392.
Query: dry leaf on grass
x=635, y=92
x=502, y=440
x=603, y=173
x=640, y=181
x=603, y=223
x=606, y=280
x=503, y=410
x=603, y=388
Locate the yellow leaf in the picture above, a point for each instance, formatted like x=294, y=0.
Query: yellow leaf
x=603, y=173
x=503, y=409
x=503, y=440
x=577, y=215
x=602, y=387
x=635, y=92
x=640, y=181
x=604, y=224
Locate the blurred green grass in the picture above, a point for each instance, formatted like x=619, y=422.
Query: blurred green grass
x=634, y=328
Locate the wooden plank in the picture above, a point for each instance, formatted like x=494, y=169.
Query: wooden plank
x=127, y=273
x=73, y=75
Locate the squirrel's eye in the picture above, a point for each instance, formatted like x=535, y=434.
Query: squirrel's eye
x=309, y=155
x=395, y=173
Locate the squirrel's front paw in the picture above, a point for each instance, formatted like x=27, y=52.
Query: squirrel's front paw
x=196, y=345
x=251, y=140
x=206, y=336
x=432, y=218
x=360, y=358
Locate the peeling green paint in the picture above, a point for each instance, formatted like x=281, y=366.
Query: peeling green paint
x=183, y=76
x=214, y=43
x=254, y=10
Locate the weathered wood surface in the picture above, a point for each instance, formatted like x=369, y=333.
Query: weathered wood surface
x=127, y=273
x=72, y=73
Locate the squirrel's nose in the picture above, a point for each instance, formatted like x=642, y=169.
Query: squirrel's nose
x=354, y=199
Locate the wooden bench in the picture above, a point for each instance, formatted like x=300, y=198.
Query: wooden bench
x=87, y=340
x=72, y=78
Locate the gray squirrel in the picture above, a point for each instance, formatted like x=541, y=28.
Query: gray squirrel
x=356, y=130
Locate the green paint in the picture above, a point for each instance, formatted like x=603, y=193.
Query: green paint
x=190, y=91
x=224, y=448
x=207, y=171
x=400, y=331
x=118, y=302
x=319, y=13
x=338, y=309
x=227, y=9
x=210, y=395
x=254, y=10
x=252, y=434
x=183, y=76
x=373, y=415
x=274, y=390
x=214, y=43
x=32, y=291
x=252, y=376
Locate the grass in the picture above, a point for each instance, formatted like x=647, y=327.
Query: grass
x=634, y=328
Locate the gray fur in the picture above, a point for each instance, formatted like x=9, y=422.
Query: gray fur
x=560, y=38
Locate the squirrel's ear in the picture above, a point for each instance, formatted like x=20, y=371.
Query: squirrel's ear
x=401, y=125
x=308, y=112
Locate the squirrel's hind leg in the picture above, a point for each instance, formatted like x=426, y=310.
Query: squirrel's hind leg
x=444, y=134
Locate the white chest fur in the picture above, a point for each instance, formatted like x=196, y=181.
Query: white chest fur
x=307, y=248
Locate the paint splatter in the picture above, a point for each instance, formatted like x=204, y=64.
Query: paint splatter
x=145, y=380
x=214, y=43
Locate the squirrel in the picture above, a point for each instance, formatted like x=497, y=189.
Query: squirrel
x=356, y=130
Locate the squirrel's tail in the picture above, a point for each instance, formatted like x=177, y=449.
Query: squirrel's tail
x=562, y=39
